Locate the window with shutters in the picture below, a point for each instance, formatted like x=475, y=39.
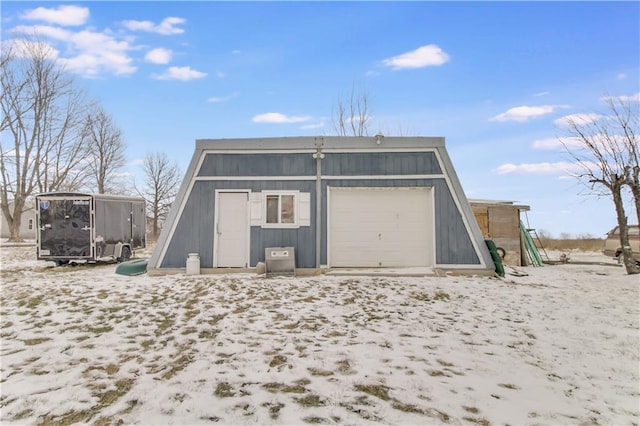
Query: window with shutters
x=280, y=209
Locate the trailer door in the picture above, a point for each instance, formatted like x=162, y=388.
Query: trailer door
x=65, y=227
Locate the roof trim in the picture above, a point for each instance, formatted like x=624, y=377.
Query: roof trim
x=325, y=142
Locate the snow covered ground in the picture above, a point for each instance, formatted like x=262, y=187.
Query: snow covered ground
x=559, y=345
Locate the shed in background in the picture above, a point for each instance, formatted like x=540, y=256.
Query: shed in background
x=500, y=221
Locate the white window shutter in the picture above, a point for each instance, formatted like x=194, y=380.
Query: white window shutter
x=304, y=209
x=256, y=208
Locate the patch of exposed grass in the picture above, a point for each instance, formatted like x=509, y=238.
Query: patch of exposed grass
x=314, y=420
x=34, y=302
x=344, y=367
x=208, y=334
x=319, y=372
x=443, y=416
x=241, y=309
x=216, y=319
x=99, y=330
x=407, y=408
x=22, y=414
x=224, y=390
x=425, y=297
x=177, y=366
x=311, y=400
x=189, y=330
x=109, y=397
x=441, y=295
x=36, y=341
x=191, y=313
x=274, y=409
x=278, y=360
x=68, y=418
x=472, y=410
x=112, y=369
x=508, y=386
x=478, y=421
x=298, y=387
x=163, y=325
x=379, y=391
x=146, y=344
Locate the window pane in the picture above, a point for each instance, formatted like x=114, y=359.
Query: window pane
x=272, y=209
x=287, y=209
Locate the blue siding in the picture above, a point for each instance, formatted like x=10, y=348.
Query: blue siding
x=194, y=232
x=258, y=165
x=380, y=163
x=195, y=228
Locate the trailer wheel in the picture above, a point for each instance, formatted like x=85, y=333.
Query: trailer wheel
x=125, y=254
x=61, y=262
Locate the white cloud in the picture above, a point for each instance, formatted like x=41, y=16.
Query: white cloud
x=168, y=26
x=560, y=167
x=313, y=126
x=621, y=76
x=372, y=74
x=218, y=99
x=623, y=98
x=537, y=95
x=44, y=31
x=276, y=117
x=180, y=73
x=425, y=56
x=557, y=143
x=524, y=113
x=63, y=15
x=92, y=53
x=158, y=56
x=25, y=48
x=579, y=119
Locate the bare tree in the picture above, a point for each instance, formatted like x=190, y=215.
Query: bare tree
x=103, y=139
x=161, y=183
x=606, y=150
x=42, y=111
x=350, y=116
x=626, y=115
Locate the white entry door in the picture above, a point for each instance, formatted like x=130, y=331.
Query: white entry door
x=381, y=227
x=232, y=230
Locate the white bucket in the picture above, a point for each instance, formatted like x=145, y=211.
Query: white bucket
x=193, y=264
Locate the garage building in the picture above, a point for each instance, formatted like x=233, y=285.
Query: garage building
x=340, y=202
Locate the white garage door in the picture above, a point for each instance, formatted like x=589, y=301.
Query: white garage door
x=380, y=227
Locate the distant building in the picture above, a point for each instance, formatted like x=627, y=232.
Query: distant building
x=500, y=221
x=27, y=224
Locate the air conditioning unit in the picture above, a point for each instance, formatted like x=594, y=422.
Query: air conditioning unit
x=280, y=260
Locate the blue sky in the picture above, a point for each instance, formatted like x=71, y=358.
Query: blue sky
x=494, y=78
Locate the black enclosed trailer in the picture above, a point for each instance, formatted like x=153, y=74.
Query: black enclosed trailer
x=90, y=227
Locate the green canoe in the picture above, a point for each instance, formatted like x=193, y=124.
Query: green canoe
x=132, y=267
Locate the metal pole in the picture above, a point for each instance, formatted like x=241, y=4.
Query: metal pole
x=318, y=156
